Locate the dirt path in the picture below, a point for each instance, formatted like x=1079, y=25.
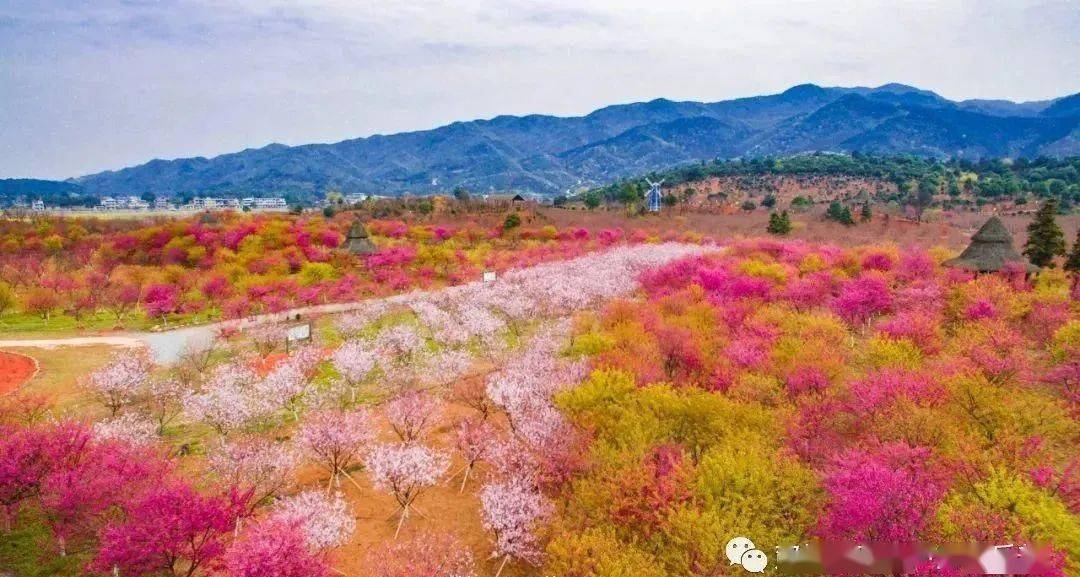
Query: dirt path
x=15, y=370
x=167, y=344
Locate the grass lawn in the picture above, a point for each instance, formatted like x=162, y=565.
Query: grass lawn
x=59, y=373
x=29, y=326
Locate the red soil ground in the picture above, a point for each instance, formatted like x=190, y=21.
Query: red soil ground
x=15, y=369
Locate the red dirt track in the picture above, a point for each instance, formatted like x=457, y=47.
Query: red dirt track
x=15, y=369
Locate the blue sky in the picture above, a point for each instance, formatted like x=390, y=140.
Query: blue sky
x=91, y=86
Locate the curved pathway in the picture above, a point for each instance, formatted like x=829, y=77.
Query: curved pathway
x=167, y=344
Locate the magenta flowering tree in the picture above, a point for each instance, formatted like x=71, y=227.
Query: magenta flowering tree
x=412, y=414
x=884, y=495
x=862, y=298
x=161, y=300
x=336, y=440
x=405, y=471
x=273, y=548
x=170, y=528
x=78, y=493
x=513, y=510
x=122, y=381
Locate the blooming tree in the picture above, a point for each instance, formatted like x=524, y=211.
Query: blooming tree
x=324, y=520
x=474, y=440
x=121, y=382
x=424, y=554
x=336, y=439
x=412, y=414
x=225, y=400
x=405, y=471
x=255, y=467
x=513, y=511
x=130, y=428
x=273, y=549
x=169, y=528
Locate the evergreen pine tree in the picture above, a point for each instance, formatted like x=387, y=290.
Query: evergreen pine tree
x=834, y=211
x=779, y=223
x=785, y=221
x=865, y=215
x=1045, y=238
x=845, y=217
x=1072, y=264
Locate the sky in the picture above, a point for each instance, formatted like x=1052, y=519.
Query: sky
x=105, y=84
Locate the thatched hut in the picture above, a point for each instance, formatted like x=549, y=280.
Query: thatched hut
x=990, y=250
x=357, y=241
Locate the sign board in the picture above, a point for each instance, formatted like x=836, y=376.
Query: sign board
x=489, y=276
x=298, y=332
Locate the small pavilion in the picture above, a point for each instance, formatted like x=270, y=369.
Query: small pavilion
x=357, y=241
x=990, y=250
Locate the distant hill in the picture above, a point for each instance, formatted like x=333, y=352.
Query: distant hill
x=550, y=154
x=54, y=193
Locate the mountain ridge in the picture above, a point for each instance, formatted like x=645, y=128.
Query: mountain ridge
x=548, y=154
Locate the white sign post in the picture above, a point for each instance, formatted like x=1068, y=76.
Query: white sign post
x=489, y=276
x=297, y=333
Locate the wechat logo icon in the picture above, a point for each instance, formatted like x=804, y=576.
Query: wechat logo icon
x=741, y=551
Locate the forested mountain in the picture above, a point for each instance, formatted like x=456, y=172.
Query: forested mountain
x=551, y=154
x=52, y=192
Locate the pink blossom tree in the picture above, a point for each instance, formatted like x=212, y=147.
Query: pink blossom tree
x=164, y=401
x=862, y=298
x=225, y=400
x=474, y=441
x=79, y=492
x=354, y=361
x=412, y=414
x=336, y=439
x=161, y=300
x=254, y=467
x=405, y=471
x=324, y=520
x=424, y=554
x=513, y=511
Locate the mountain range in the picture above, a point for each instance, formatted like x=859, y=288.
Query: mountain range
x=549, y=154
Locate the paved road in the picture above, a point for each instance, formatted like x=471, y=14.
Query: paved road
x=167, y=345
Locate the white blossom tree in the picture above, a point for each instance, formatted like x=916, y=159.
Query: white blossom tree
x=122, y=381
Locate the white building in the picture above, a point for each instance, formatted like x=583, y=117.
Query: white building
x=264, y=203
x=124, y=203
x=37, y=205
x=209, y=203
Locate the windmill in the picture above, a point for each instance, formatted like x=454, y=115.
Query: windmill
x=652, y=198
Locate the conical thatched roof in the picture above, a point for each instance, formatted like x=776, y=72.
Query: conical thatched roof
x=357, y=241
x=990, y=250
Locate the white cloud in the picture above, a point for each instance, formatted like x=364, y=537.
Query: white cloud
x=119, y=82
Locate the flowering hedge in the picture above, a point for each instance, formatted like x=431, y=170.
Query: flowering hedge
x=801, y=391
